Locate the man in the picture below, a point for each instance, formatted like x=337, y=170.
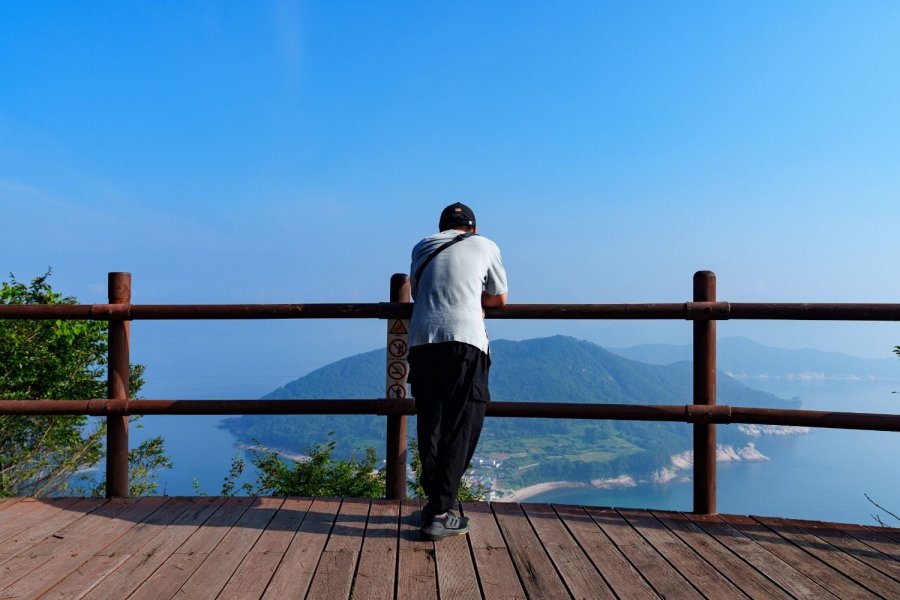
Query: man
x=454, y=275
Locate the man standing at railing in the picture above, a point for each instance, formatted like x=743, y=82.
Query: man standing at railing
x=455, y=274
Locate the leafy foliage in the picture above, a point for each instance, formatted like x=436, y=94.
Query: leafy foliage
x=318, y=475
x=144, y=463
x=60, y=360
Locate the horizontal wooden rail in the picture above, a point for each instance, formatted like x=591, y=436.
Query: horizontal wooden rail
x=704, y=310
x=134, y=312
x=691, y=311
x=812, y=311
x=689, y=413
x=101, y=407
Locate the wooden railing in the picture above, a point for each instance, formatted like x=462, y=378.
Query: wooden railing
x=704, y=413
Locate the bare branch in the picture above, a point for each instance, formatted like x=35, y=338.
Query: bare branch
x=880, y=508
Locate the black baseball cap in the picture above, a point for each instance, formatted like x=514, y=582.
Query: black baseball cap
x=456, y=215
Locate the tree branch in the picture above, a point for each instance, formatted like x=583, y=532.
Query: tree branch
x=881, y=508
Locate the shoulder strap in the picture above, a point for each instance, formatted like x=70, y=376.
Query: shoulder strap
x=443, y=247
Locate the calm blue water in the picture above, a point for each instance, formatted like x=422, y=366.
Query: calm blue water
x=199, y=449
x=821, y=475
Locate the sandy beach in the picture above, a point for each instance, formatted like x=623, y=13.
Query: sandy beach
x=539, y=488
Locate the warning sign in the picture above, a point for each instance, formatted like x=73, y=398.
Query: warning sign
x=397, y=327
x=397, y=366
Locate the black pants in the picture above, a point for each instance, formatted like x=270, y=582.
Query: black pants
x=450, y=384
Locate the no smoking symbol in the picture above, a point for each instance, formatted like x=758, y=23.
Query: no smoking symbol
x=397, y=370
x=397, y=348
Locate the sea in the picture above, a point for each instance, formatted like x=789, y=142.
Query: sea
x=824, y=474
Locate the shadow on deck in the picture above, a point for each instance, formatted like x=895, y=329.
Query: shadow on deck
x=210, y=547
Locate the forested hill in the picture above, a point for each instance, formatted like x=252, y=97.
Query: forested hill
x=554, y=369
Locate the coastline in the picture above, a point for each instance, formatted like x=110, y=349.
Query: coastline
x=520, y=495
x=678, y=463
x=538, y=488
x=282, y=453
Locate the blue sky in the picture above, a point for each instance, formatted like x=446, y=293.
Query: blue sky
x=294, y=152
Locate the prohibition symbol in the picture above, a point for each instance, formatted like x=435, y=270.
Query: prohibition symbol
x=396, y=391
x=397, y=348
x=397, y=370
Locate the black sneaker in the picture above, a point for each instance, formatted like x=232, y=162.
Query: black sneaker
x=438, y=528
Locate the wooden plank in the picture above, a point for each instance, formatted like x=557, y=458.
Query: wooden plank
x=884, y=559
x=107, y=559
x=33, y=527
x=829, y=578
x=73, y=546
x=294, y=575
x=692, y=567
x=743, y=575
x=255, y=571
x=622, y=577
x=493, y=562
x=38, y=546
x=417, y=577
x=7, y=502
x=334, y=574
x=535, y=569
x=850, y=566
x=891, y=533
x=128, y=576
x=125, y=545
x=375, y=574
x=455, y=570
x=873, y=539
x=667, y=581
x=26, y=512
x=181, y=564
x=774, y=568
x=576, y=569
x=211, y=576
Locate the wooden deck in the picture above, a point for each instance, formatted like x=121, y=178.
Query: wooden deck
x=206, y=547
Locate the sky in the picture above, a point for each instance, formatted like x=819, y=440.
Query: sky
x=256, y=152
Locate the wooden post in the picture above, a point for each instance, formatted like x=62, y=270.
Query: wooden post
x=397, y=370
x=117, y=389
x=705, y=394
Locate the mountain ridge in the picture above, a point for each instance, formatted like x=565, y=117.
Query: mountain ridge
x=744, y=358
x=552, y=369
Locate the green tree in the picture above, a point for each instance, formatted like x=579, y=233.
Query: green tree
x=317, y=475
x=59, y=360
